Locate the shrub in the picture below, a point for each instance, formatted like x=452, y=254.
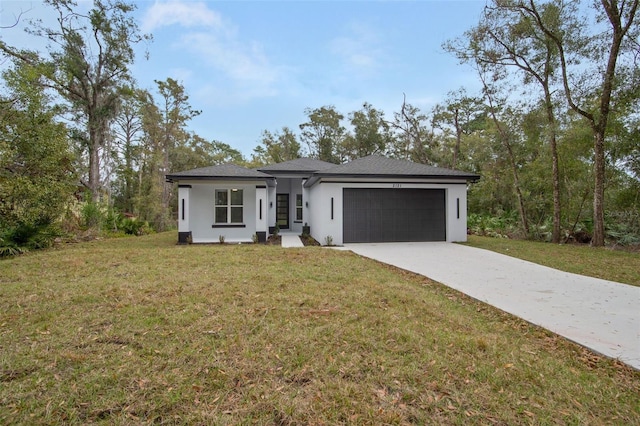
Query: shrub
x=93, y=215
x=623, y=227
x=133, y=226
x=25, y=237
x=500, y=226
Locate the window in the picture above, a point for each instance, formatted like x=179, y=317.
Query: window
x=228, y=206
x=299, y=207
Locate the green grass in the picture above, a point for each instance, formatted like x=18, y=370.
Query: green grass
x=140, y=330
x=614, y=265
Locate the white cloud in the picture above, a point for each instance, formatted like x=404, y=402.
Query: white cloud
x=245, y=64
x=214, y=47
x=177, y=12
x=359, y=50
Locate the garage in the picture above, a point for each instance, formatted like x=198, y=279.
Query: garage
x=372, y=215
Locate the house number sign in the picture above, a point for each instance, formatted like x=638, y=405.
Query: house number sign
x=397, y=185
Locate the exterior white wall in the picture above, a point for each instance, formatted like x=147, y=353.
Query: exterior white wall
x=324, y=225
x=261, y=209
x=202, y=212
x=271, y=207
x=456, y=196
x=306, y=206
x=184, y=193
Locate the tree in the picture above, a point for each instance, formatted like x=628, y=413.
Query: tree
x=592, y=97
x=461, y=114
x=371, y=133
x=504, y=39
x=277, y=147
x=413, y=139
x=37, y=180
x=205, y=153
x=323, y=133
x=166, y=140
x=89, y=60
x=127, y=131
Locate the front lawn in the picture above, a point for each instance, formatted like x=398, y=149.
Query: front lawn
x=140, y=330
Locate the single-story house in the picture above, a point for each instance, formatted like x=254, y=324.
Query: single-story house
x=371, y=199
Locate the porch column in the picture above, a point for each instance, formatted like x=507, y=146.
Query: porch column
x=184, y=229
x=271, y=209
x=261, y=213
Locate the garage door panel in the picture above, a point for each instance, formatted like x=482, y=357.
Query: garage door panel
x=386, y=215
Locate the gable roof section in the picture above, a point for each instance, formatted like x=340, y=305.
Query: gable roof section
x=299, y=165
x=376, y=166
x=219, y=172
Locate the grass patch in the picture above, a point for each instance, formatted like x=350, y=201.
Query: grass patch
x=141, y=330
x=599, y=262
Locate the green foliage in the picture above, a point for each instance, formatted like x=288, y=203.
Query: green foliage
x=323, y=133
x=277, y=147
x=134, y=226
x=624, y=227
x=26, y=237
x=497, y=226
x=94, y=215
x=36, y=165
x=101, y=218
x=371, y=133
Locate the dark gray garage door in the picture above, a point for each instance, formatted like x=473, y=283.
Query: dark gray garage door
x=372, y=215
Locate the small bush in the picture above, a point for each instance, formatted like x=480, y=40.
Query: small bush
x=133, y=226
x=25, y=237
x=93, y=215
x=501, y=226
x=623, y=228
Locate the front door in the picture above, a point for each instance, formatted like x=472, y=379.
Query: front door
x=282, y=211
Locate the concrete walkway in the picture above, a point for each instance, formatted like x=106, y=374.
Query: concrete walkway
x=290, y=239
x=601, y=315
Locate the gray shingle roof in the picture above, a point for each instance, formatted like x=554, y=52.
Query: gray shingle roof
x=376, y=165
x=220, y=171
x=299, y=165
x=379, y=166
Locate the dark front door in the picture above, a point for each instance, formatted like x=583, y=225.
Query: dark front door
x=384, y=215
x=282, y=211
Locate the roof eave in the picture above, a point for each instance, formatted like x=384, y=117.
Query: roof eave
x=175, y=178
x=472, y=178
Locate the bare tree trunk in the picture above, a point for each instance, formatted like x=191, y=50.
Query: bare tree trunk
x=555, y=168
x=94, y=166
x=598, y=191
x=456, y=149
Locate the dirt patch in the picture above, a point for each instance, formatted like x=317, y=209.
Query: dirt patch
x=274, y=240
x=308, y=240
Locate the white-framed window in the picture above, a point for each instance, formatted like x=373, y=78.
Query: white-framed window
x=228, y=206
x=299, y=207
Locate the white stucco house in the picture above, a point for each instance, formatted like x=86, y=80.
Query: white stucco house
x=371, y=199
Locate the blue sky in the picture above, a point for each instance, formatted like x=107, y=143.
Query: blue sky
x=251, y=66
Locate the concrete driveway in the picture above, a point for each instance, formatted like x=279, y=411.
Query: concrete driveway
x=601, y=315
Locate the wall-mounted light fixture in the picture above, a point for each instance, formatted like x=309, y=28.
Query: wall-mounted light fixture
x=270, y=204
x=306, y=203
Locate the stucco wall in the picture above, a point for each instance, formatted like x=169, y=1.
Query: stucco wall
x=323, y=225
x=201, y=213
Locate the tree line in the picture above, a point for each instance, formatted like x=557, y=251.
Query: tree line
x=553, y=131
